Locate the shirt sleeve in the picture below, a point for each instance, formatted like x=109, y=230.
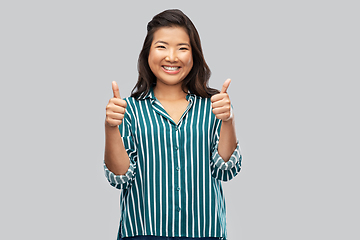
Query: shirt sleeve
x=220, y=169
x=126, y=180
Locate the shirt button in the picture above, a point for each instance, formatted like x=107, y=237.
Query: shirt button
x=176, y=148
x=178, y=188
x=178, y=209
x=178, y=168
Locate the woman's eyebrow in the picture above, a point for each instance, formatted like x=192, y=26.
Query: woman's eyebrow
x=184, y=44
x=168, y=43
x=161, y=42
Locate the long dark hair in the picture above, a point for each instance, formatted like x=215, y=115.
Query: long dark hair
x=198, y=78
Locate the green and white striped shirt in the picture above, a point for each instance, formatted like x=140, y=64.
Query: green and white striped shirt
x=173, y=185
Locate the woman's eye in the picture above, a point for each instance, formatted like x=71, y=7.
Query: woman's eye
x=160, y=47
x=184, y=48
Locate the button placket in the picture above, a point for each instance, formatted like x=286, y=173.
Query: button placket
x=177, y=164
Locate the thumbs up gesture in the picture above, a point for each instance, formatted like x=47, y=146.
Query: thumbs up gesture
x=221, y=104
x=116, y=108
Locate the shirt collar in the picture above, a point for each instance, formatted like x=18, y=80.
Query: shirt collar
x=145, y=95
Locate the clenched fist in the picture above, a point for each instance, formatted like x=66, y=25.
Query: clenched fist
x=115, y=109
x=221, y=104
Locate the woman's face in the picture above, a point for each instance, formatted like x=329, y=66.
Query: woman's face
x=170, y=57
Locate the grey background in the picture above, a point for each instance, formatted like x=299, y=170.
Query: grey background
x=295, y=72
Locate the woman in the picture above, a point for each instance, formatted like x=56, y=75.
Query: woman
x=170, y=144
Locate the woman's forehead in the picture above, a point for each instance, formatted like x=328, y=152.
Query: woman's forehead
x=171, y=35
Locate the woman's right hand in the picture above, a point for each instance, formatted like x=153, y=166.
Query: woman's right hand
x=115, y=109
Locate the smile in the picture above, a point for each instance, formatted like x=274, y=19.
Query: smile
x=171, y=70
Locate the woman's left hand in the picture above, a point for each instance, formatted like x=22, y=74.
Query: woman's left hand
x=221, y=104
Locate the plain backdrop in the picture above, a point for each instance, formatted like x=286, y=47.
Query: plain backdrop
x=295, y=76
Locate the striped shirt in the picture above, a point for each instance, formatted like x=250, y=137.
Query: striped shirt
x=173, y=185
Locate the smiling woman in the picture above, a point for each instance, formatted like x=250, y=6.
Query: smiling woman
x=197, y=79
x=171, y=144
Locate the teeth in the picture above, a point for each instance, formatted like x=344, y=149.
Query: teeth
x=171, y=68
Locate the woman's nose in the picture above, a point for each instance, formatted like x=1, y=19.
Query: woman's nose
x=171, y=57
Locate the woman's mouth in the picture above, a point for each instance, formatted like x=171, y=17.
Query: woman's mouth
x=171, y=69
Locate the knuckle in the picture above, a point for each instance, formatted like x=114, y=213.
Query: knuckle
x=109, y=108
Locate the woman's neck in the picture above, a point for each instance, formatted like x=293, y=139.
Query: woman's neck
x=169, y=92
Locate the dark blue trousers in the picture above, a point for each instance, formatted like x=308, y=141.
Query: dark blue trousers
x=167, y=238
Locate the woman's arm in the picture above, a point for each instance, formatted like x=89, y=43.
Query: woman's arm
x=222, y=109
x=116, y=157
x=227, y=139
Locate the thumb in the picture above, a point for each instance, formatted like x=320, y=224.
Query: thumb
x=115, y=89
x=225, y=85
